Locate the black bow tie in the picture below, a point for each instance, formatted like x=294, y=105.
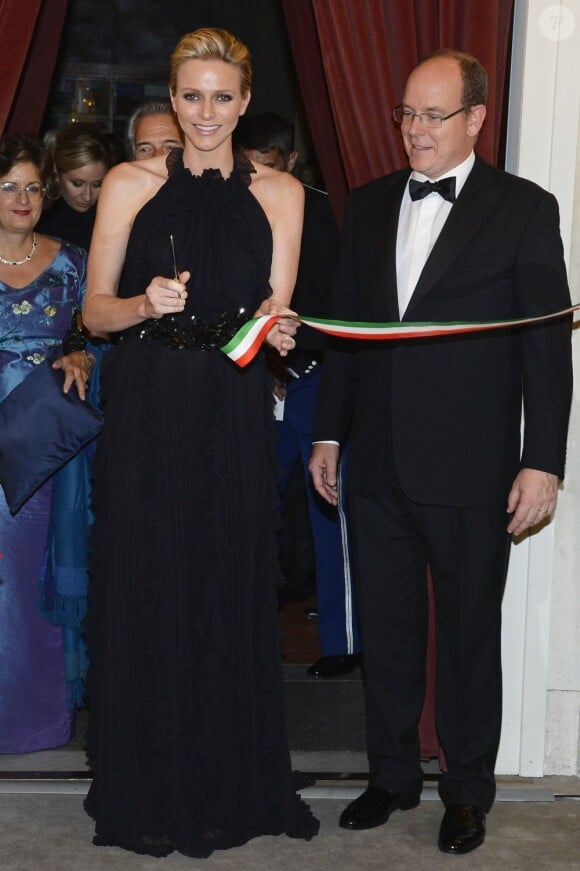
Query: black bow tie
x=445, y=187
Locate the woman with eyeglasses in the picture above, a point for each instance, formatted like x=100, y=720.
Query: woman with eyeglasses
x=42, y=281
x=82, y=158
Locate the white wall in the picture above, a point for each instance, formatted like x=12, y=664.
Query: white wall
x=541, y=639
x=563, y=719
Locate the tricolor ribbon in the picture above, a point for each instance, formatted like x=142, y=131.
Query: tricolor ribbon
x=246, y=343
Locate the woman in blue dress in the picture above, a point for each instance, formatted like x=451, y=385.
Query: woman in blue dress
x=42, y=281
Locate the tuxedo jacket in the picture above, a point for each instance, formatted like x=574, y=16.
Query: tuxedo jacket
x=448, y=409
x=319, y=252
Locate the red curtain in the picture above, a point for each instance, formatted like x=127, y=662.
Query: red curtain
x=29, y=39
x=353, y=59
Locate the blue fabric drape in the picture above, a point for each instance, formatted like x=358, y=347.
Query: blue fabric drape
x=64, y=577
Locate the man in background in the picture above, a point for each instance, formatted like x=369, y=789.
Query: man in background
x=152, y=130
x=269, y=139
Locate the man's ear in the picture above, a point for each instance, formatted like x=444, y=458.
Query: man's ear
x=475, y=119
x=292, y=158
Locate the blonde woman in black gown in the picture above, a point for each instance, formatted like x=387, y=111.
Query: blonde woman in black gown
x=187, y=737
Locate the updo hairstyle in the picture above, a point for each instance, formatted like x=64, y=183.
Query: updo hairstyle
x=211, y=43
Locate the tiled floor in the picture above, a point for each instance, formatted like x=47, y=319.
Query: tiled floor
x=534, y=822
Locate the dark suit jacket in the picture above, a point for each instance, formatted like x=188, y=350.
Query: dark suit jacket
x=319, y=253
x=448, y=410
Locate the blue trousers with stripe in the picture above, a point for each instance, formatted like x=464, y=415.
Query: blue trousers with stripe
x=337, y=623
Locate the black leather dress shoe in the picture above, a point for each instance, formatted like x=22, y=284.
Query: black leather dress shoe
x=334, y=666
x=462, y=829
x=374, y=807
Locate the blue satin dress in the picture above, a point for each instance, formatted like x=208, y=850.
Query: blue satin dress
x=33, y=708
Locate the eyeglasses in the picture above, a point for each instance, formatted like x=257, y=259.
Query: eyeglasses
x=33, y=190
x=406, y=116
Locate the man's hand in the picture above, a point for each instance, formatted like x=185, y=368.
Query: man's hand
x=324, y=469
x=532, y=499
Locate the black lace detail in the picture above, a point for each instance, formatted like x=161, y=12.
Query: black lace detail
x=192, y=332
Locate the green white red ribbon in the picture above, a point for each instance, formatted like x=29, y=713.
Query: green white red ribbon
x=246, y=343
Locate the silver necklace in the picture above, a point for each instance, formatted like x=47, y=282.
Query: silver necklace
x=28, y=257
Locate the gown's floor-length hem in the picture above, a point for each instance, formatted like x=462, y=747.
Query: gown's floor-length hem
x=307, y=828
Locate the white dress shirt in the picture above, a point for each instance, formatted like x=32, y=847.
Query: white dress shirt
x=420, y=222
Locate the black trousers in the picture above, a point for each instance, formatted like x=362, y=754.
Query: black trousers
x=467, y=549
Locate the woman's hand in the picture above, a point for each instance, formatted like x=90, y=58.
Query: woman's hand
x=165, y=296
x=77, y=368
x=281, y=335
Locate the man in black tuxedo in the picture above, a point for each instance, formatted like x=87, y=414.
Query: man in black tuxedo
x=437, y=476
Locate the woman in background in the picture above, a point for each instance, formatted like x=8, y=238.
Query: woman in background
x=82, y=158
x=42, y=282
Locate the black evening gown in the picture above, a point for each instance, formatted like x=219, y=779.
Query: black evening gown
x=187, y=736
